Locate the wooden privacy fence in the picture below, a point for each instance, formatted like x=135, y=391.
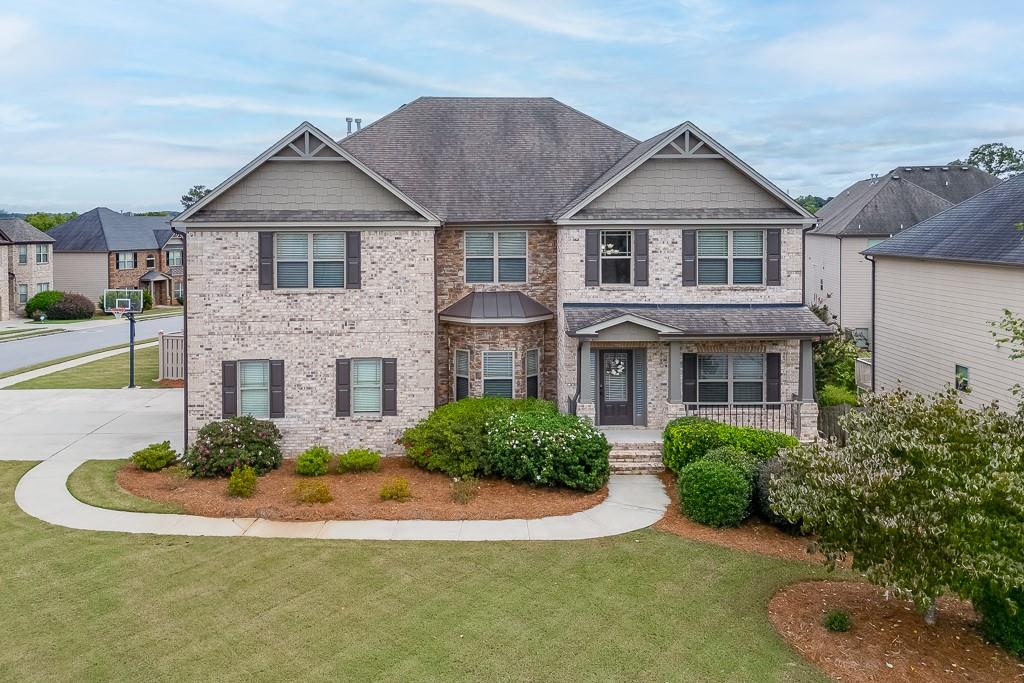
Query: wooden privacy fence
x=172, y=355
x=828, y=421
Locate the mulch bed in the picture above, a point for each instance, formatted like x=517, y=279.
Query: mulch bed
x=888, y=640
x=171, y=383
x=356, y=496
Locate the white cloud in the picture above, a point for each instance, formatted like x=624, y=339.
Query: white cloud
x=17, y=119
x=244, y=105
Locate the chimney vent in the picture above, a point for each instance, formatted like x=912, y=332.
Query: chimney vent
x=359, y=124
x=348, y=120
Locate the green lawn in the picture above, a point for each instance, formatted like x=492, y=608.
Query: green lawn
x=54, y=361
x=106, y=373
x=94, y=483
x=647, y=606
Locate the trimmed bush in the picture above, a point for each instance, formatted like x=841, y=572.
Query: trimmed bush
x=714, y=493
x=397, y=489
x=71, y=307
x=832, y=395
x=744, y=462
x=147, y=300
x=548, y=449
x=766, y=473
x=837, y=621
x=464, y=490
x=454, y=438
x=41, y=302
x=690, y=438
x=224, y=445
x=154, y=457
x=313, y=462
x=314, y=491
x=242, y=482
x=1001, y=621
x=358, y=460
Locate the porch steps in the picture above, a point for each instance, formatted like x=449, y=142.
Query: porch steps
x=636, y=458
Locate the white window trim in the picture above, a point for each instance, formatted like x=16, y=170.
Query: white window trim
x=22, y=254
x=730, y=379
x=42, y=287
x=456, y=375
x=42, y=253
x=134, y=260
x=352, y=388
x=180, y=257
x=526, y=373
x=495, y=259
x=618, y=257
x=178, y=289
x=483, y=371
x=22, y=294
x=729, y=257
x=238, y=409
x=148, y=257
x=309, y=261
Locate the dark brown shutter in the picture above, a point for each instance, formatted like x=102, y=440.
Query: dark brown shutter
x=228, y=388
x=773, y=378
x=689, y=258
x=389, y=386
x=353, y=260
x=689, y=378
x=640, y=267
x=593, y=264
x=266, y=260
x=774, y=266
x=277, y=388
x=343, y=387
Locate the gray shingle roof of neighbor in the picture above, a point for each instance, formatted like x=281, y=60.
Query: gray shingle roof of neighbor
x=472, y=159
x=982, y=229
x=101, y=229
x=16, y=230
x=484, y=306
x=902, y=197
x=154, y=276
x=706, y=320
x=299, y=216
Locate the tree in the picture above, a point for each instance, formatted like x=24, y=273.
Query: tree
x=44, y=221
x=811, y=202
x=835, y=356
x=196, y=193
x=1009, y=331
x=926, y=495
x=997, y=158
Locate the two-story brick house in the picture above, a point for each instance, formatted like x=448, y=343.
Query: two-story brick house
x=495, y=246
x=25, y=253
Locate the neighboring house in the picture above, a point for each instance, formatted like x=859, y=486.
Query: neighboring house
x=863, y=215
x=938, y=287
x=26, y=256
x=103, y=249
x=496, y=246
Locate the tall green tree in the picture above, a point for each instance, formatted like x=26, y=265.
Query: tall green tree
x=44, y=221
x=997, y=158
x=812, y=202
x=195, y=193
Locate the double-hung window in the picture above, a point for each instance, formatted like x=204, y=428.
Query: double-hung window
x=42, y=253
x=174, y=257
x=461, y=374
x=22, y=254
x=497, y=370
x=366, y=386
x=730, y=257
x=730, y=378
x=616, y=257
x=179, y=289
x=22, y=294
x=43, y=287
x=254, y=388
x=127, y=260
x=310, y=260
x=533, y=373
x=495, y=256
x=150, y=260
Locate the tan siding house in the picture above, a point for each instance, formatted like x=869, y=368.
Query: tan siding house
x=81, y=273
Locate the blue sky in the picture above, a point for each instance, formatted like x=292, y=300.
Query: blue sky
x=128, y=104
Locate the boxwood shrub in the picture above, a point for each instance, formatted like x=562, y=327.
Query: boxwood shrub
x=688, y=439
x=242, y=482
x=41, y=302
x=549, y=449
x=714, y=493
x=313, y=462
x=1002, y=622
x=454, y=438
x=222, y=446
x=358, y=460
x=744, y=462
x=154, y=457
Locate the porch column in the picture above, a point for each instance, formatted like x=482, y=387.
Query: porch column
x=587, y=374
x=806, y=371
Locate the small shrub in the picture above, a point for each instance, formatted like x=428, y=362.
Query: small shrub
x=155, y=456
x=397, y=489
x=832, y=395
x=714, y=493
x=767, y=471
x=744, y=462
x=1001, y=621
x=464, y=490
x=180, y=300
x=41, y=302
x=690, y=438
x=837, y=620
x=224, y=445
x=178, y=472
x=358, y=460
x=314, y=491
x=147, y=300
x=242, y=482
x=71, y=307
x=313, y=462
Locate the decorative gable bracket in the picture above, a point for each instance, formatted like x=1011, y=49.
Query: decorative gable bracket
x=307, y=146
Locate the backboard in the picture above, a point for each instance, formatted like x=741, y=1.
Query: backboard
x=121, y=301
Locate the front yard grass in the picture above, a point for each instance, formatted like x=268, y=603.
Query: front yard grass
x=95, y=483
x=106, y=373
x=644, y=606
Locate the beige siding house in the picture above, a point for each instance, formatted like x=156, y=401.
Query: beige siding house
x=863, y=215
x=345, y=288
x=938, y=287
x=27, y=263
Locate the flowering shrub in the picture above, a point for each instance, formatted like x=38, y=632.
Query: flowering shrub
x=155, y=456
x=313, y=461
x=222, y=446
x=714, y=493
x=454, y=438
x=689, y=438
x=358, y=460
x=242, y=482
x=548, y=449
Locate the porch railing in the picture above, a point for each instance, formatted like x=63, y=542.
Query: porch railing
x=172, y=355
x=776, y=417
x=863, y=372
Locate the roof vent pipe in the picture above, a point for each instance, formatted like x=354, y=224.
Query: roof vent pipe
x=359, y=124
x=348, y=120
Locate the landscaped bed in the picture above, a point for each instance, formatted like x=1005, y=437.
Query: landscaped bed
x=357, y=496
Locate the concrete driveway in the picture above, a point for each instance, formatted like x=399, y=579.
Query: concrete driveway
x=86, y=424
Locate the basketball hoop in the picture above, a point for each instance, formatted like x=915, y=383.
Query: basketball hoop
x=118, y=311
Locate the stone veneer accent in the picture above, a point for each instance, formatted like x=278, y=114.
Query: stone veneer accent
x=392, y=315
x=31, y=274
x=479, y=338
x=5, y=287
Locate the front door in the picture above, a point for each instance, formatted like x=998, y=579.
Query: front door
x=615, y=390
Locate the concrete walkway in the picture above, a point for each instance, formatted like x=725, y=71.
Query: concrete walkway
x=57, y=367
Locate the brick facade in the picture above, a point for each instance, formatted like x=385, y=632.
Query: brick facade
x=128, y=278
x=31, y=274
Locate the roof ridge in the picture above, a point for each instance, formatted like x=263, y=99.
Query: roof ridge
x=595, y=120
x=920, y=187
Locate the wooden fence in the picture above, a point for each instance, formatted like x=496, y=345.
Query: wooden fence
x=172, y=355
x=864, y=370
x=828, y=422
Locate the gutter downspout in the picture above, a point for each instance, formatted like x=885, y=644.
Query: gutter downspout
x=874, y=349
x=575, y=399
x=184, y=324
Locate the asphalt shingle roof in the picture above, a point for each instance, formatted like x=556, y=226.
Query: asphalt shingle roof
x=982, y=229
x=707, y=320
x=16, y=230
x=104, y=230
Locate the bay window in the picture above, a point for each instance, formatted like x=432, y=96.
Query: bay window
x=497, y=373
